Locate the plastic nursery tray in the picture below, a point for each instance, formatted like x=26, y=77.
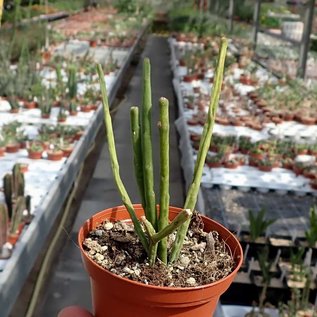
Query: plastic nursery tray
x=246, y=178
x=291, y=129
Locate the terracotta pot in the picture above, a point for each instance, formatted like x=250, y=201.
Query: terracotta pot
x=30, y=104
x=93, y=43
x=114, y=296
x=309, y=174
x=55, y=156
x=93, y=106
x=256, y=156
x=2, y=150
x=276, y=120
x=45, y=115
x=12, y=148
x=313, y=185
x=61, y=119
x=35, y=155
x=73, y=113
x=190, y=78
x=231, y=165
x=298, y=170
x=67, y=152
x=13, y=238
x=288, y=116
x=307, y=120
x=214, y=164
x=78, y=135
x=85, y=108
x=265, y=168
x=14, y=110
x=288, y=165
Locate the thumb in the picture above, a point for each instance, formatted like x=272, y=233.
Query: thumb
x=74, y=311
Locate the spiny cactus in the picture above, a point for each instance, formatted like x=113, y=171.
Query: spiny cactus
x=18, y=181
x=72, y=82
x=158, y=229
x=7, y=188
x=3, y=225
x=17, y=214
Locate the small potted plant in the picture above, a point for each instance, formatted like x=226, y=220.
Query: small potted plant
x=266, y=164
x=62, y=115
x=65, y=146
x=214, y=161
x=73, y=108
x=46, y=108
x=12, y=144
x=152, y=225
x=35, y=150
x=231, y=163
x=54, y=153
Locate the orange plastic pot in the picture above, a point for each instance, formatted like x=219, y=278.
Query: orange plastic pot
x=114, y=296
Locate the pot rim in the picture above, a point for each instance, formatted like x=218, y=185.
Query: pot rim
x=169, y=288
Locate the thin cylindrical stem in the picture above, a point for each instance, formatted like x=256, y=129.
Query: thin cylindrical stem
x=181, y=218
x=114, y=161
x=152, y=245
x=137, y=151
x=146, y=133
x=164, y=175
x=203, y=149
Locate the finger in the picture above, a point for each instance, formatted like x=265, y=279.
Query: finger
x=74, y=311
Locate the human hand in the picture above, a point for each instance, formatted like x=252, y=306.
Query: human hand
x=74, y=311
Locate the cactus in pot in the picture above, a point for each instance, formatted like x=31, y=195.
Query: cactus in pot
x=157, y=231
x=17, y=218
x=157, y=227
x=4, y=219
x=13, y=187
x=7, y=189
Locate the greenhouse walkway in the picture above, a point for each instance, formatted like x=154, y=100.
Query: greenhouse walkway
x=69, y=284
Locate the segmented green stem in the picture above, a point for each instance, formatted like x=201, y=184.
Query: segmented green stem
x=203, y=149
x=152, y=246
x=146, y=138
x=137, y=151
x=164, y=175
x=114, y=160
x=181, y=218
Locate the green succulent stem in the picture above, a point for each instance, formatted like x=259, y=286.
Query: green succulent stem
x=146, y=140
x=156, y=237
x=203, y=149
x=114, y=161
x=152, y=254
x=180, y=219
x=137, y=151
x=163, y=126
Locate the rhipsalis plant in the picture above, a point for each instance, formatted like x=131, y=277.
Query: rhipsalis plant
x=155, y=226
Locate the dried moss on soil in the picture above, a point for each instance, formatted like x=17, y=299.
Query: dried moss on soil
x=203, y=260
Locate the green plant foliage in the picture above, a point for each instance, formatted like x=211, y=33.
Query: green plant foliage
x=258, y=223
x=311, y=232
